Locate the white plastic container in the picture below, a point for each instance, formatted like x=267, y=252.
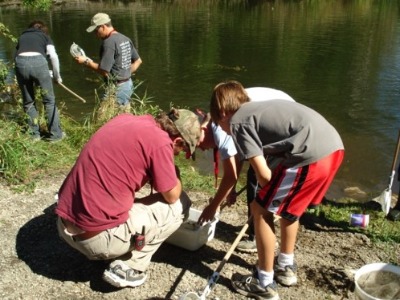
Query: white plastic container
x=372, y=268
x=192, y=236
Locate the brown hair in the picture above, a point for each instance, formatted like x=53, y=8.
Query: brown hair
x=39, y=25
x=165, y=121
x=227, y=97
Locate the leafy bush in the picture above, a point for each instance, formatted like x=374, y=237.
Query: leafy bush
x=43, y=5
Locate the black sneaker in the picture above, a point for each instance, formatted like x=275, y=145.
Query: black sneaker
x=121, y=275
x=249, y=286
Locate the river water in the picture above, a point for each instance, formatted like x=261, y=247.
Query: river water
x=341, y=58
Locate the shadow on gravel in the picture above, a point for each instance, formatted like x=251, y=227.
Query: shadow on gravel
x=196, y=261
x=40, y=247
x=46, y=254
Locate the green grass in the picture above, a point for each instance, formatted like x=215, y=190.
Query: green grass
x=24, y=162
x=191, y=179
x=380, y=230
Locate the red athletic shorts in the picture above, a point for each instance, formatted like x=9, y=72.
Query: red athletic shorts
x=291, y=190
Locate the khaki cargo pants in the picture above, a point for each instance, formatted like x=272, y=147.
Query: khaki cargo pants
x=159, y=221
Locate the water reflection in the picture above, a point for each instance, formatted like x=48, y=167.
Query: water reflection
x=338, y=57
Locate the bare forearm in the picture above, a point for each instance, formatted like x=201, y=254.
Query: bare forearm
x=222, y=193
x=263, y=172
x=135, y=65
x=150, y=199
x=173, y=195
x=228, y=181
x=90, y=64
x=168, y=197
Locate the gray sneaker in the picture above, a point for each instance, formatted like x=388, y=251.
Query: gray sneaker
x=247, y=246
x=250, y=246
x=35, y=138
x=57, y=139
x=121, y=275
x=287, y=275
x=250, y=286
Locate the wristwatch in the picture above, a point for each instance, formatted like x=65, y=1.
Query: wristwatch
x=87, y=61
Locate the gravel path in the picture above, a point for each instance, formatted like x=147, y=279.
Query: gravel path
x=36, y=264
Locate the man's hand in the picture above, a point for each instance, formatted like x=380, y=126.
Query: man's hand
x=80, y=59
x=83, y=60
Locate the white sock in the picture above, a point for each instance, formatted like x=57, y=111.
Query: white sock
x=265, y=278
x=285, y=259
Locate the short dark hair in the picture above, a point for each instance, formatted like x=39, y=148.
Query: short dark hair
x=39, y=25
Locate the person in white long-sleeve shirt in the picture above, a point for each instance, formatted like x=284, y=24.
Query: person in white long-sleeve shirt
x=32, y=70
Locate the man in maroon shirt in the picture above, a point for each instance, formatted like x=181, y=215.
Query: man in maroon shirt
x=98, y=213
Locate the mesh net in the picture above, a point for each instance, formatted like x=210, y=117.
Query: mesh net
x=75, y=50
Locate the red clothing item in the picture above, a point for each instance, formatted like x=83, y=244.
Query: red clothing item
x=292, y=190
x=121, y=157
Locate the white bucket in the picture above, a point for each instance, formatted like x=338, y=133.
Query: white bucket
x=384, y=267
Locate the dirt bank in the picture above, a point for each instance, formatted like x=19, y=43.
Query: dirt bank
x=36, y=264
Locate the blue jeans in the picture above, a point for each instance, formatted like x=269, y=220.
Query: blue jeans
x=123, y=90
x=33, y=71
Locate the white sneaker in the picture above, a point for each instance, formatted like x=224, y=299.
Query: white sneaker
x=247, y=246
x=121, y=275
x=287, y=275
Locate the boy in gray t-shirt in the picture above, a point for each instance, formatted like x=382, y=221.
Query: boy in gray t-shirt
x=311, y=152
x=213, y=137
